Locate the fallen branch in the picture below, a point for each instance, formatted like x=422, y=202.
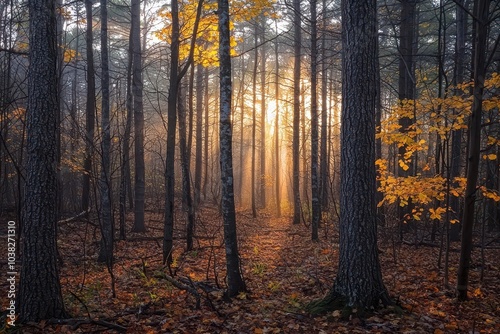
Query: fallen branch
x=185, y=287
x=70, y=219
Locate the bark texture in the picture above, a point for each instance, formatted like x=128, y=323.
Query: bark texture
x=40, y=290
x=359, y=279
x=235, y=283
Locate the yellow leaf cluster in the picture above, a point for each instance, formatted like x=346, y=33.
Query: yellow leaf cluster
x=207, y=38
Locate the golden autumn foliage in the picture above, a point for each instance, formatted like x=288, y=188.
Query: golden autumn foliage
x=206, y=48
x=432, y=116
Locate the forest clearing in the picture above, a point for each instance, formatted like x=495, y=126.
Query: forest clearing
x=283, y=271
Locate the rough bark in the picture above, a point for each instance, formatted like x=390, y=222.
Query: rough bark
x=234, y=280
x=40, y=291
x=359, y=279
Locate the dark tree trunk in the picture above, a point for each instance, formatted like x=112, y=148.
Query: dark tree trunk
x=315, y=195
x=324, y=186
x=456, y=139
x=171, y=129
x=359, y=279
x=140, y=183
x=235, y=283
x=481, y=13
x=106, y=214
x=205, y=145
x=262, y=177
x=125, y=163
x=406, y=89
x=277, y=182
x=296, y=112
x=89, y=109
x=199, y=138
x=40, y=294
x=186, y=178
x=254, y=120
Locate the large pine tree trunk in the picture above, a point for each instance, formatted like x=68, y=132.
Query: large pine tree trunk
x=235, y=283
x=277, y=152
x=359, y=279
x=40, y=291
x=140, y=183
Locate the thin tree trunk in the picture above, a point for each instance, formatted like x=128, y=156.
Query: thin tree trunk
x=254, y=120
x=262, y=177
x=199, y=138
x=296, y=112
x=106, y=214
x=125, y=163
x=171, y=129
x=315, y=195
x=481, y=25
x=186, y=178
x=234, y=281
x=137, y=87
x=89, y=109
x=277, y=181
x=324, y=118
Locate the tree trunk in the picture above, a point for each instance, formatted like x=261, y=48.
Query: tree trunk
x=262, y=177
x=359, y=279
x=186, y=178
x=199, y=138
x=89, y=109
x=125, y=163
x=234, y=281
x=324, y=119
x=277, y=181
x=171, y=129
x=406, y=89
x=456, y=139
x=140, y=183
x=106, y=214
x=296, y=112
x=40, y=294
x=315, y=195
x=481, y=13
x=254, y=118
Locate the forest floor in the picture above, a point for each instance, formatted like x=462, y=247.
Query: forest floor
x=283, y=271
